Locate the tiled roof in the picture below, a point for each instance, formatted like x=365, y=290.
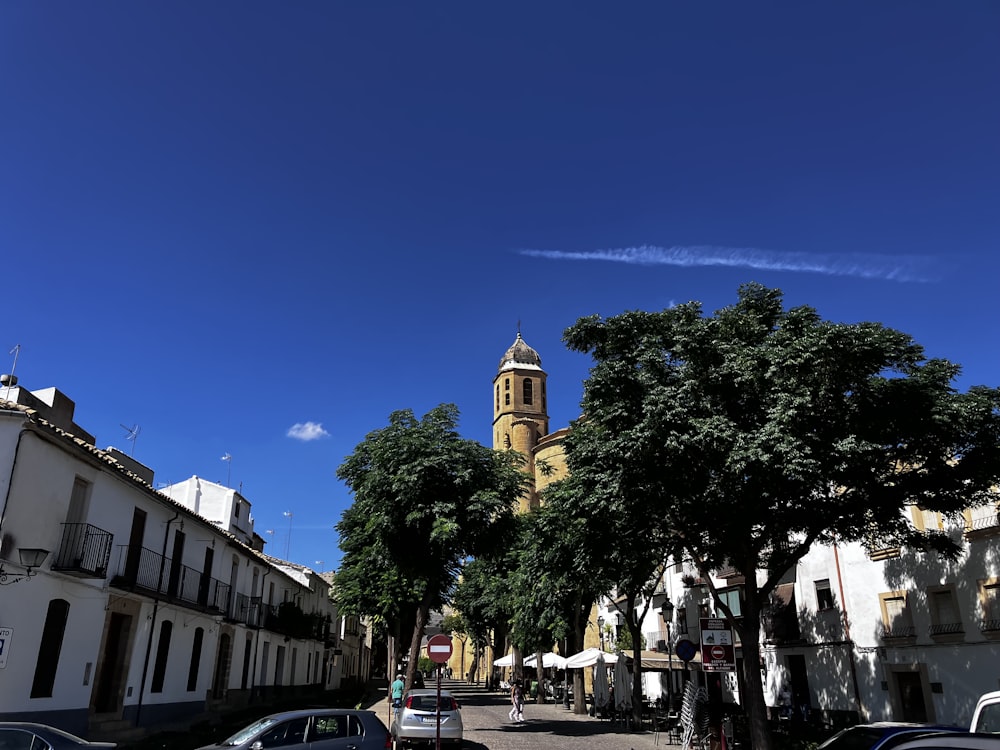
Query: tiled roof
x=44, y=427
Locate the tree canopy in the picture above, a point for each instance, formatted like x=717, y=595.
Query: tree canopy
x=752, y=434
x=424, y=500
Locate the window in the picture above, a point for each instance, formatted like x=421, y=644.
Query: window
x=945, y=618
x=824, y=595
x=16, y=739
x=731, y=598
x=199, y=635
x=236, y=510
x=506, y=384
x=682, y=620
x=498, y=398
x=162, y=654
x=989, y=597
x=926, y=520
x=896, y=619
x=78, y=501
x=527, y=388
x=328, y=728
x=247, y=655
x=506, y=399
x=49, y=648
x=290, y=733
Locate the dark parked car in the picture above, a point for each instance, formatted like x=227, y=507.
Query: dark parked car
x=880, y=735
x=23, y=735
x=315, y=729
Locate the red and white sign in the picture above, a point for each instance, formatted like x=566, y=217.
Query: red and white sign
x=718, y=654
x=439, y=648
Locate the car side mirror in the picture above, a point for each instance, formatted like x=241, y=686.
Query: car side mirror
x=258, y=745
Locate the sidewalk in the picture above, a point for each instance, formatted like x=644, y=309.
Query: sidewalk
x=547, y=726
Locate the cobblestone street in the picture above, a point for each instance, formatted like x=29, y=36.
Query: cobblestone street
x=546, y=726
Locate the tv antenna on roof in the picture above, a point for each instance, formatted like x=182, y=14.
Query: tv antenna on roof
x=11, y=380
x=131, y=433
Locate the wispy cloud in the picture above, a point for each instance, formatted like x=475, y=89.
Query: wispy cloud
x=911, y=268
x=306, y=431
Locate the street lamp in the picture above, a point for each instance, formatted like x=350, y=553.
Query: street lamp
x=600, y=630
x=30, y=557
x=667, y=612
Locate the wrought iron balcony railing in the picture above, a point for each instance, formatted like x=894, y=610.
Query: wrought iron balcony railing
x=898, y=631
x=84, y=551
x=946, y=628
x=142, y=569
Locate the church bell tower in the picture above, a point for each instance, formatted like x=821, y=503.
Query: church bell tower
x=520, y=411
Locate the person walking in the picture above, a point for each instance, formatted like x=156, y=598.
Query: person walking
x=396, y=694
x=517, y=702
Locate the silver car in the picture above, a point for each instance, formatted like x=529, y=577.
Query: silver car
x=417, y=722
x=23, y=734
x=316, y=729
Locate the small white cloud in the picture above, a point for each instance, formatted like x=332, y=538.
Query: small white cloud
x=306, y=431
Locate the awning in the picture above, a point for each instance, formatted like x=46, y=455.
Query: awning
x=652, y=661
x=588, y=658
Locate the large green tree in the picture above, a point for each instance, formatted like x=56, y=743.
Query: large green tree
x=484, y=599
x=424, y=499
x=559, y=575
x=758, y=431
x=623, y=551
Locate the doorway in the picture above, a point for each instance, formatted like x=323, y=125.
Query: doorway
x=109, y=688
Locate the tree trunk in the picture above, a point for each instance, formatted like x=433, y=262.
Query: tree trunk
x=418, y=635
x=636, y=669
x=579, y=697
x=539, y=671
x=754, y=704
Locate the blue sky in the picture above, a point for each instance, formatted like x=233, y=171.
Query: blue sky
x=256, y=229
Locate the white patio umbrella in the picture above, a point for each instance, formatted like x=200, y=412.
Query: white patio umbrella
x=588, y=658
x=623, y=686
x=504, y=661
x=602, y=693
x=549, y=660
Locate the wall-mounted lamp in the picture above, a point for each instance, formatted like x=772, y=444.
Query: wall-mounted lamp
x=31, y=557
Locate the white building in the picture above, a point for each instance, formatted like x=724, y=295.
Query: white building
x=149, y=607
x=852, y=636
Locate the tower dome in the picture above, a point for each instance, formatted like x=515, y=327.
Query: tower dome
x=521, y=356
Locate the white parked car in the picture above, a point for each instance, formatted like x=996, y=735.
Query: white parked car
x=987, y=715
x=418, y=719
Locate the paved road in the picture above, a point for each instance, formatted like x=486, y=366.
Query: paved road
x=546, y=726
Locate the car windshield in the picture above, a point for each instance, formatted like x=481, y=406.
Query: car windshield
x=67, y=736
x=989, y=719
x=244, y=734
x=855, y=738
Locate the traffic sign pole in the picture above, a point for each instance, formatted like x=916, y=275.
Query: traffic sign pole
x=439, y=650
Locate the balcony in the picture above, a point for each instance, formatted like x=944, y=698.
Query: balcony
x=146, y=572
x=246, y=609
x=84, y=551
x=289, y=619
x=983, y=521
x=946, y=632
x=898, y=632
x=948, y=628
x=990, y=629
